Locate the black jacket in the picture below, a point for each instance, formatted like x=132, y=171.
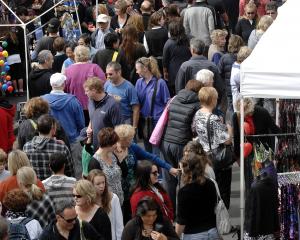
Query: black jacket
x=156, y=39
x=39, y=82
x=181, y=113
x=51, y=232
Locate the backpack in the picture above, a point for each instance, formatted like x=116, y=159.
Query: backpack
x=18, y=230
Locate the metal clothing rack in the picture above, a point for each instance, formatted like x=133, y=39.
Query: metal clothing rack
x=273, y=135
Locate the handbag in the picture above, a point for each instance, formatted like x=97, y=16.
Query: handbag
x=222, y=215
x=145, y=126
x=222, y=156
x=160, y=126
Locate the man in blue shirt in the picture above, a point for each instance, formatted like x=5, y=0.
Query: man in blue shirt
x=124, y=92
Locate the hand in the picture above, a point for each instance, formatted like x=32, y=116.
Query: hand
x=158, y=236
x=89, y=132
x=174, y=172
x=59, y=141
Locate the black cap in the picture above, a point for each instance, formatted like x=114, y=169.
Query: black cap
x=53, y=25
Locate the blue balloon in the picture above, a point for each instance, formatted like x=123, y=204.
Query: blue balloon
x=4, y=87
x=7, y=68
x=6, y=64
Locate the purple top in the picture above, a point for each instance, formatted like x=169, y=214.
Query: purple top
x=77, y=74
x=145, y=92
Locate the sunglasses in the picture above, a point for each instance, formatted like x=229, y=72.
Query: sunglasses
x=155, y=173
x=68, y=220
x=77, y=196
x=250, y=13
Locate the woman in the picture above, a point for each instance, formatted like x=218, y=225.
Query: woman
x=197, y=200
x=87, y=210
x=16, y=160
x=220, y=134
x=78, y=73
x=178, y=130
x=147, y=185
x=16, y=202
x=105, y=160
x=153, y=96
x=69, y=49
x=136, y=20
x=108, y=201
x=262, y=26
x=131, y=50
x=216, y=49
x=119, y=21
x=149, y=223
x=175, y=52
x=261, y=6
x=129, y=153
x=60, y=56
x=41, y=206
x=156, y=37
x=248, y=22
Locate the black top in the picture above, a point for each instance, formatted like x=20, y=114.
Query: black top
x=156, y=39
x=114, y=24
x=39, y=82
x=101, y=223
x=219, y=7
x=58, y=62
x=196, y=207
x=244, y=28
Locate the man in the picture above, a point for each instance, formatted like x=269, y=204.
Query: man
x=103, y=28
x=110, y=53
x=85, y=40
x=68, y=111
x=39, y=77
x=46, y=42
x=40, y=148
x=197, y=62
x=271, y=9
x=199, y=21
x=124, y=92
x=104, y=110
x=146, y=10
x=67, y=225
x=58, y=186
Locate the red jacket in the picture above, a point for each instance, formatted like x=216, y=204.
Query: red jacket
x=7, y=114
x=166, y=206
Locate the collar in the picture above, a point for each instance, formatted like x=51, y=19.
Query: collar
x=60, y=92
x=157, y=27
x=198, y=57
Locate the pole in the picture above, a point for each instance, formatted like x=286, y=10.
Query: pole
x=26, y=60
x=242, y=184
x=97, y=13
x=78, y=20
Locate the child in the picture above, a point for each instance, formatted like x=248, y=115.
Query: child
x=3, y=161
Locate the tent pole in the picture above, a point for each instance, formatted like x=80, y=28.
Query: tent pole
x=242, y=185
x=78, y=20
x=26, y=61
x=97, y=13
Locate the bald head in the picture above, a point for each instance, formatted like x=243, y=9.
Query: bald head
x=146, y=7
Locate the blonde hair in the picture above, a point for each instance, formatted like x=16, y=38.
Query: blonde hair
x=3, y=156
x=264, y=23
x=16, y=160
x=248, y=105
x=208, y=96
x=121, y=5
x=27, y=178
x=243, y=54
x=136, y=20
x=125, y=131
x=86, y=189
x=235, y=43
x=151, y=64
x=216, y=34
x=82, y=53
x=205, y=76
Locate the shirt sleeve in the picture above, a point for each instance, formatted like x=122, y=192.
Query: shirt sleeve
x=181, y=208
x=69, y=170
x=132, y=96
x=165, y=94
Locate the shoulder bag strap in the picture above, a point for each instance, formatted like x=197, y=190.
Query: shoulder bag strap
x=153, y=98
x=217, y=189
x=208, y=131
x=114, y=57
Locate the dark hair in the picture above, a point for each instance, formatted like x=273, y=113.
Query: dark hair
x=194, y=85
x=59, y=44
x=86, y=38
x=177, y=32
x=16, y=200
x=45, y=123
x=107, y=137
x=71, y=45
x=193, y=168
x=21, y=11
x=57, y=161
x=271, y=6
x=155, y=18
x=143, y=174
x=148, y=204
x=110, y=39
x=115, y=66
x=36, y=107
x=62, y=205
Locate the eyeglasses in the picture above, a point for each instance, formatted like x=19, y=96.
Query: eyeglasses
x=155, y=173
x=77, y=196
x=250, y=13
x=68, y=220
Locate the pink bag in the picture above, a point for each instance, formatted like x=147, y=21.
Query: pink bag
x=160, y=126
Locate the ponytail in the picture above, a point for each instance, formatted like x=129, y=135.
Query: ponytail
x=154, y=67
x=36, y=192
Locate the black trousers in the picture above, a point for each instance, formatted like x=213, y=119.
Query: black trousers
x=223, y=178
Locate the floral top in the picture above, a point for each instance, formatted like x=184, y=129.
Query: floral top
x=219, y=133
x=113, y=174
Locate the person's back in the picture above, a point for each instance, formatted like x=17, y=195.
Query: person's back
x=7, y=113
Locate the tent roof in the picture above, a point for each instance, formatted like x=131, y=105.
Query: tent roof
x=273, y=69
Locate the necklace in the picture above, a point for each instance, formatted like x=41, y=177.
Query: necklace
x=147, y=232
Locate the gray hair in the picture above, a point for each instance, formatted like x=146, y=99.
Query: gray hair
x=197, y=45
x=43, y=56
x=3, y=227
x=64, y=204
x=82, y=54
x=205, y=76
x=115, y=65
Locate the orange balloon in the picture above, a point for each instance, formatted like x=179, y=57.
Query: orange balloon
x=8, y=78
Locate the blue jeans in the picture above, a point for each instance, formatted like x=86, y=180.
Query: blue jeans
x=211, y=234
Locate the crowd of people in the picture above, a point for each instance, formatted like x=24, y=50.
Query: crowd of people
x=81, y=163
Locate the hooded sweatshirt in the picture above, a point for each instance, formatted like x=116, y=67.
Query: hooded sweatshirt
x=68, y=111
x=7, y=114
x=181, y=112
x=39, y=82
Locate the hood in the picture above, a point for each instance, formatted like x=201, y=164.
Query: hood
x=56, y=181
x=58, y=101
x=9, y=108
x=37, y=73
x=186, y=96
x=40, y=142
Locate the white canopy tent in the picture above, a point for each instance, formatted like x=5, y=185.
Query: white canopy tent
x=272, y=70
